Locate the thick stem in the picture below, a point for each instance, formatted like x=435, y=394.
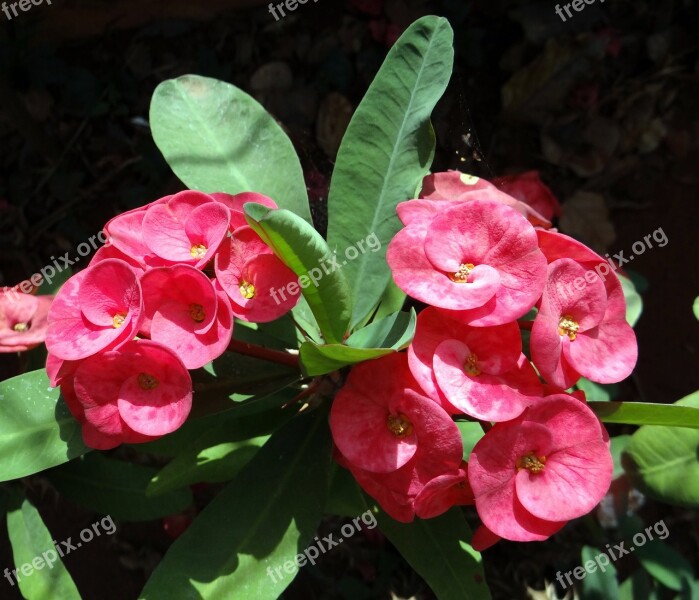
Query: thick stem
x=527, y=325
x=275, y=356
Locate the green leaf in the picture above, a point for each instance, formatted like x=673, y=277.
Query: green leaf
x=634, y=302
x=264, y=517
x=646, y=413
x=663, y=462
x=373, y=341
x=636, y=587
x=664, y=564
x=598, y=584
x=387, y=150
x=595, y=392
x=217, y=138
x=471, y=433
x=37, y=430
x=439, y=551
x=116, y=488
x=618, y=445
x=303, y=250
x=695, y=308
x=33, y=542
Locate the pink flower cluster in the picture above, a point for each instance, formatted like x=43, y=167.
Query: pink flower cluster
x=23, y=320
x=481, y=260
x=158, y=301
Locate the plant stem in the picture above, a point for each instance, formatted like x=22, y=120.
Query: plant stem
x=275, y=356
x=527, y=325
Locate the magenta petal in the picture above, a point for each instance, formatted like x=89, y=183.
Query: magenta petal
x=605, y=354
x=110, y=288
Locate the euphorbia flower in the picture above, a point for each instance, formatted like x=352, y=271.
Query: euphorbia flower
x=480, y=371
x=579, y=330
x=96, y=309
x=256, y=281
x=480, y=258
x=379, y=418
x=533, y=474
x=23, y=321
x=443, y=492
x=183, y=311
x=454, y=186
x=528, y=188
x=140, y=392
x=187, y=229
x=236, y=203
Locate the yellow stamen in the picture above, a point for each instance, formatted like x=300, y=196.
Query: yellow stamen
x=247, y=290
x=197, y=312
x=147, y=382
x=568, y=326
x=19, y=327
x=471, y=366
x=118, y=320
x=399, y=425
x=461, y=276
x=198, y=251
x=531, y=462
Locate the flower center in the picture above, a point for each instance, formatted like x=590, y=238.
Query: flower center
x=147, y=382
x=399, y=425
x=19, y=327
x=471, y=366
x=461, y=276
x=197, y=312
x=567, y=326
x=531, y=462
x=198, y=251
x=247, y=290
x=118, y=320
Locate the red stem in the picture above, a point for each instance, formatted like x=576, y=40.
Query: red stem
x=275, y=356
x=525, y=324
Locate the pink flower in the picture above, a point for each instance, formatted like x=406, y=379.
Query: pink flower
x=579, y=330
x=443, y=492
x=187, y=229
x=137, y=393
x=379, y=418
x=528, y=188
x=96, y=309
x=479, y=371
x=183, y=311
x=23, y=321
x=479, y=257
x=533, y=474
x=454, y=186
x=256, y=281
x=236, y=204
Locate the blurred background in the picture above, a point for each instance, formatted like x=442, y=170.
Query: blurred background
x=603, y=105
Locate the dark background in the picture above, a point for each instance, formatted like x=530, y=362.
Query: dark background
x=604, y=105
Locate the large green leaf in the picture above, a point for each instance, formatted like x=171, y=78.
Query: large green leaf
x=663, y=461
x=264, y=517
x=378, y=339
x=439, y=550
x=116, y=488
x=597, y=584
x=32, y=544
x=647, y=413
x=217, y=138
x=387, y=150
x=305, y=252
x=37, y=430
x=634, y=302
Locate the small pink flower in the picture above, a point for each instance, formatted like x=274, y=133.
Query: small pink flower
x=379, y=418
x=23, y=321
x=528, y=188
x=454, y=186
x=140, y=392
x=443, y=492
x=479, y=257
x=183, y=311
x=187, y=229
x=256, y=281
x=533, y=474
x=579, y=330
x=236, y=204
x=96, y=309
